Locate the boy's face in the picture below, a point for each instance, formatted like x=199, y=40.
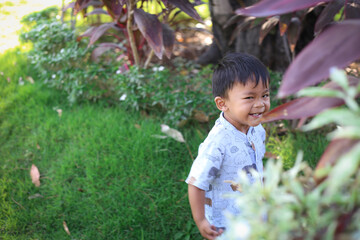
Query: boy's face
x=245, y=105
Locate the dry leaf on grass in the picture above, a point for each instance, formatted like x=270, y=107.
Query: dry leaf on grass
x=173, y=133
x=35, y=175
x=30, y=79
x=66, y=228
x=158, y=136
x=59, y=111
x=200, y=116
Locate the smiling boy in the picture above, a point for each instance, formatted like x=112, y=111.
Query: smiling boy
x=236, y=142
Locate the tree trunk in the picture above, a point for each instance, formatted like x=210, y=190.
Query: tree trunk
x=273, y=51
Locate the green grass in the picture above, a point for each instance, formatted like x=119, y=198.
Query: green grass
x=100, y=173
x=288, y=145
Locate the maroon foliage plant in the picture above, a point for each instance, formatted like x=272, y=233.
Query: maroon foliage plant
x=136, y=26
x=336, y=45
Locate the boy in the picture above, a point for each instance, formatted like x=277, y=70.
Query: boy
x=236, y=142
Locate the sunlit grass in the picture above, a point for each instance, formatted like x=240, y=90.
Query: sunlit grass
x=290, y=142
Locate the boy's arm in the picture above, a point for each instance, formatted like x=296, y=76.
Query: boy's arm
x=197, y=204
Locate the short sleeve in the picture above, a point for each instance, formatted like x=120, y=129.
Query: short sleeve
x=206, y=166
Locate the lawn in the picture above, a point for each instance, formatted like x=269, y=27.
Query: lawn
x=103, y=172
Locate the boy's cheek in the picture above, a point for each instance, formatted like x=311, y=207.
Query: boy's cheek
x=268, y=105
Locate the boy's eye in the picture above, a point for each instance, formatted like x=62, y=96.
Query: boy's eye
x=266, y=95
x=249, y=98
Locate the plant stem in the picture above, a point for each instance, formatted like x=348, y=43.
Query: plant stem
x=148, y=60
x=62, y=11
x=188, y=148
x=135, y=53
x=287, y=48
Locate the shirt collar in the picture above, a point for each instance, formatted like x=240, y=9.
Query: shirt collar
x=234, y=129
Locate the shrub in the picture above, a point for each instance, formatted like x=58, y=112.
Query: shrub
x=64, y=63
x=68, y=65
x=154, y=28
x=178, y=95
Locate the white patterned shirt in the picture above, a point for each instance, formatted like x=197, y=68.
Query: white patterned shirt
x=224, y=152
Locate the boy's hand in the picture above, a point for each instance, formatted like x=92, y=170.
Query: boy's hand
x=209, y=231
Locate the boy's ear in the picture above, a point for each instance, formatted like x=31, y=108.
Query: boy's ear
x=220, y=103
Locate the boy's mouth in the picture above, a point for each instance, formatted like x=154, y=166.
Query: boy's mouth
x=256, y=115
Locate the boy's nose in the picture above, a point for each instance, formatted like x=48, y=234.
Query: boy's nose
x=259, y=103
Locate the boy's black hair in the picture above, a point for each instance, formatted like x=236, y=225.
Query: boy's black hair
x=238, y=67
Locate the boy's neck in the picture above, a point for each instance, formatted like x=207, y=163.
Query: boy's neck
x=242, y=128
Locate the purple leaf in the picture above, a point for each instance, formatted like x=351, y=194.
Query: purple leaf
x=186, y=7
x=100, y=31
x=334, y=150
x=102, y=48
x=97, y=11
x=352, y=9
x=293, y=32
x=336, y=46
x=301, y=107
x=96, y=32
x=198, y=2
x=80, y=5
x=168, y=40
x=151, y=29
x=88, y=32
x=114, y=7
x=233, y=19
x=267, y=26
x=266, y=8
x=246, y=23
x=94, y=3
x=327, y=15
x=307, y=106
x=70, y=5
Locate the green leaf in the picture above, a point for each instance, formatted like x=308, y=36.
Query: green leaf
x=320, y=92
x=178, y=235
x=351, y=103
x=346, y=132
x=347, y=165
x=341, y=116
x=339, y=76
x=273, y=171
x=297, y=189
